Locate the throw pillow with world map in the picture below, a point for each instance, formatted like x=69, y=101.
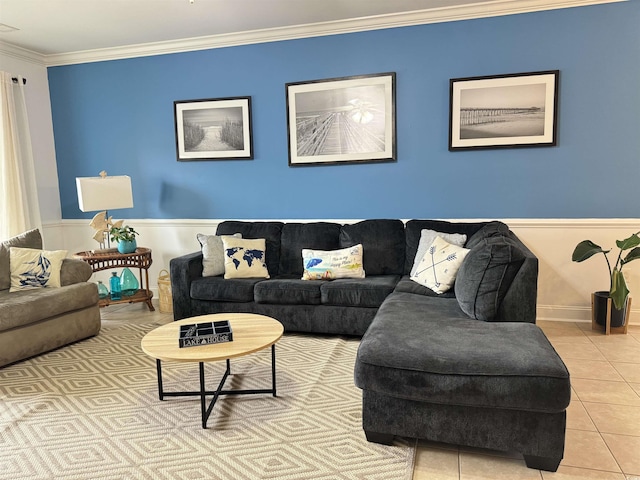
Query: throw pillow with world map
x=244, y=258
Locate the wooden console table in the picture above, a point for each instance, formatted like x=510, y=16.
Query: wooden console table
x=111, y=259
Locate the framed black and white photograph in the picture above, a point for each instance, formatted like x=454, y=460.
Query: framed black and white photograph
x=500, y=111
x=213, y=129
x=342, y=120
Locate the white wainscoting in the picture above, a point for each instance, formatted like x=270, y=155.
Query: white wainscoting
x=564, y=287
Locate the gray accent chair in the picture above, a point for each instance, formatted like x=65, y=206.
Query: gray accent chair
x=38, y=320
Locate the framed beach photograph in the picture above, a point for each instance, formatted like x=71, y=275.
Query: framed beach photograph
x=213, y=129
x=504, y=111
x=342, y=120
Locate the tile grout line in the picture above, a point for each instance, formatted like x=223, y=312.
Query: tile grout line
x=593, y=421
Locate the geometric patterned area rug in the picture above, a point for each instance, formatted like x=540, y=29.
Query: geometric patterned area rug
x=91, y=411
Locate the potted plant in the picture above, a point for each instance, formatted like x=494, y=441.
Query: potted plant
x=126, y=238
x=618, y=291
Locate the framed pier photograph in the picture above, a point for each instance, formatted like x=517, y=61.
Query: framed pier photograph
x=342, y=120
x=502, y=111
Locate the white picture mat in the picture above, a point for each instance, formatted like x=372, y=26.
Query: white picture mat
x=458, y=89
x=386, y=80
x=212, y=106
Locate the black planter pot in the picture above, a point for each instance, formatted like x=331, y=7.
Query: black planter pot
x=600, y=310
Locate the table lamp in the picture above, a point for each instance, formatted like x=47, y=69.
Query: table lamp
x=104, y=193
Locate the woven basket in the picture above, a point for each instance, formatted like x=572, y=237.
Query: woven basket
x=164, y=291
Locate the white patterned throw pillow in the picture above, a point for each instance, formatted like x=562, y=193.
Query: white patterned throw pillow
x=438, y=267
x=426, y=239
x=331, y=264
x=212, y=254
x=244, y=258
x=33, y=268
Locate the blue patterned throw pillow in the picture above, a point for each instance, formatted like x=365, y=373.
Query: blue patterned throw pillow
x=244, y=258
x=439, y=266
x=32, y=268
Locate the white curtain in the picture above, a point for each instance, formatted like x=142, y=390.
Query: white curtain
x=19, y=209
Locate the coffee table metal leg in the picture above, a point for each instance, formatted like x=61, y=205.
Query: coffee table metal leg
x=202, y=392
x=160, y=389
x=273, y=369
x=206, y=410
x=203, y=396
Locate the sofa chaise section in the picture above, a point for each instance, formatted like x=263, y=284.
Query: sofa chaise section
x=492, y=385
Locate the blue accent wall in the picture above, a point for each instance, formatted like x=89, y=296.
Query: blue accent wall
x=118, y=116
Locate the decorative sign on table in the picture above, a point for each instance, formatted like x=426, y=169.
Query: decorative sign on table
x=205, y=333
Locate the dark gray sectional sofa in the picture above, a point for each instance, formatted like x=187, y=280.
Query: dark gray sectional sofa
x=342, y=306
x=467, y=367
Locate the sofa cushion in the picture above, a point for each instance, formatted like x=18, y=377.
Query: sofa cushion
x=244, y=258
x=34, y=268
x=329, y=265
x=30, y=239
x=29, y=306
x=363, y=292
x=439, y=266
x=409, y=286
x=383, y=242
x=219, y=289
x=413, y=232
x=296, y=236
x=491, y=229
x=270, y=231
x=426, y=239
x=486, y=275
x=288, y=291
x=407, y=352
x=212, y=254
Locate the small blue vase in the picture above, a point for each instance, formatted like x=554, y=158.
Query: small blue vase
x=103, y=291
x=114, y=282
x=127, y=247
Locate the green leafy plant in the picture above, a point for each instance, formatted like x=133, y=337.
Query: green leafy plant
x=618, y=290
x=123, y=234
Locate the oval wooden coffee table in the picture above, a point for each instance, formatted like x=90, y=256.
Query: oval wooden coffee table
x=251, y=333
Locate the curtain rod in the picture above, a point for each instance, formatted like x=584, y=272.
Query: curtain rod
x=15, y=80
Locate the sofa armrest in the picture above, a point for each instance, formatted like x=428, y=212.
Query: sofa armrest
x=74, y=270
x=519, y=303
x=184, y=270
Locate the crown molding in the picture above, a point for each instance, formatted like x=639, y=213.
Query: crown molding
x=22, y=54
x=420, y=17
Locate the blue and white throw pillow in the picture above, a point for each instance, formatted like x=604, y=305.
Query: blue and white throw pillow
x=33, y=268
x=244, y=258
x=426, y=239
x=331, y=264
x=439, y=266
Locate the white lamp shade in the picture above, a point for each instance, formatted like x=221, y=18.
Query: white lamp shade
x=108, y=193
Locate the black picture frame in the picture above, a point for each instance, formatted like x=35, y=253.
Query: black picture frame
x=342, y=120
x=504, y=111
x=213, y=129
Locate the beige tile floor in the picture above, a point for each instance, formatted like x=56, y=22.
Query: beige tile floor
x=603, y=420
